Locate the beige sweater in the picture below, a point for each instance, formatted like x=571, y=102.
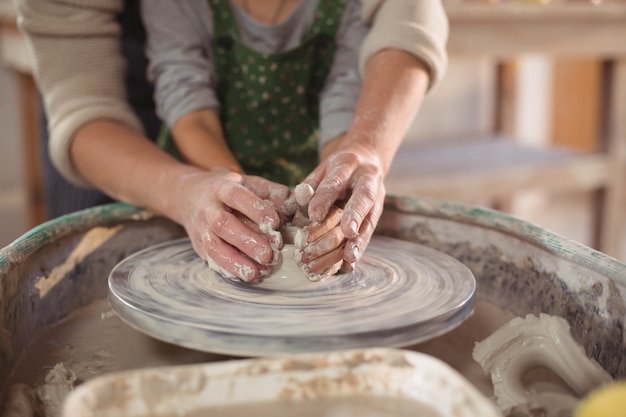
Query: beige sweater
x=80, y=71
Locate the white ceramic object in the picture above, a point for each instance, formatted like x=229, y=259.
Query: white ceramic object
x=401, y=293
x=315, y=384
x=512, y=352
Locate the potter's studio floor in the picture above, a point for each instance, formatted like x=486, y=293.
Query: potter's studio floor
x=567, y=215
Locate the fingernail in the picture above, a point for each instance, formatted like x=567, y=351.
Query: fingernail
x=353, y=227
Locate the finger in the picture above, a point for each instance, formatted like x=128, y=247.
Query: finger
x=331, y=189
x=365, y=195
x=224, y=258
x=315, y=177
x=274, y=237
x=230, y=229
x=266, y=189
x=290, y=207
x=327, y=243
x=313, y=232
x=277, y=194
x=326, y=265
x=241, y=199
x=356, y=246
x=300, y=219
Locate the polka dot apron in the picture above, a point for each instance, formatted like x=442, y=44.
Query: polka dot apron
x=270, y=102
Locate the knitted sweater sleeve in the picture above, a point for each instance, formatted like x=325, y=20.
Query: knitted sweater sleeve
x=78, y=67
x=419, y=27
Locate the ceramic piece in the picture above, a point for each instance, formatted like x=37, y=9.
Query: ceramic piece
x=538, y=343
x=370, y=382
x=400, y=293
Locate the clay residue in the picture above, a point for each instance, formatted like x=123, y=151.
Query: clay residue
x=322, y=386
x=303, y=193
x=89, y=243
x=58, y=383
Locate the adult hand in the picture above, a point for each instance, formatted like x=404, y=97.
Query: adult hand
x=231, y=226
x=351, y=177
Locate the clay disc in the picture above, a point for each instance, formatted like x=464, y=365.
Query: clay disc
x=401, y=293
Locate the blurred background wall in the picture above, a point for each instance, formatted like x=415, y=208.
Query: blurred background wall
x=13, y=212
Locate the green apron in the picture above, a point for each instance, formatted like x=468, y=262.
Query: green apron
x=270, y=102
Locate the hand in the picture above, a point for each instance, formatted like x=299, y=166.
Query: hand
x=350, y=177
x=231, y=226
x=277, y=194
x=319, y=247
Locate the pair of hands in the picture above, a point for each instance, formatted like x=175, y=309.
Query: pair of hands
x=232, y=219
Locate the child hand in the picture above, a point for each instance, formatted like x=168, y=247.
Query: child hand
x=319, y=247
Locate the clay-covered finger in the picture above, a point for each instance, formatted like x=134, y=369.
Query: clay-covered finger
x=356, y=246
x=324, y=266
x=274, y=237
x=326, y=243
x=224, y=258
x=365, y=196
x=278, y=195
x=229, y=228
x=241, y=199
x=331, y=189
x=312, y=232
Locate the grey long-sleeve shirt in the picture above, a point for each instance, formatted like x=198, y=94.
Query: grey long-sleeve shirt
x=179, y=49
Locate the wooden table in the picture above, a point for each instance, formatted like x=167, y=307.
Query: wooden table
x=506, y=30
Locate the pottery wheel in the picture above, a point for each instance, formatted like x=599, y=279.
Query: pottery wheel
x=401, y=293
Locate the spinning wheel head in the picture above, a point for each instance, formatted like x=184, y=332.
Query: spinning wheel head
x=400, y=293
